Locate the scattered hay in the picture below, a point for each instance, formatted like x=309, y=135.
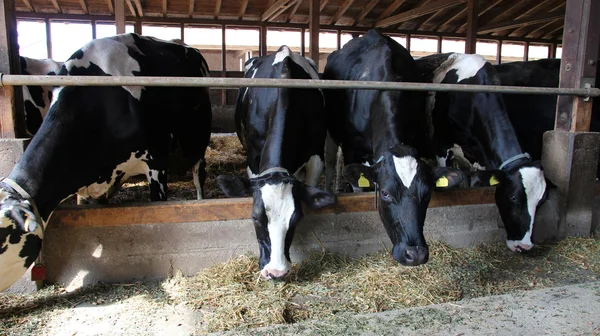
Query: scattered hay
x=232, y=296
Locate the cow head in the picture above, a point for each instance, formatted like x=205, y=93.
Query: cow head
x=276, y=211
x=520, y=190
x=405, y=184
x=21, y=234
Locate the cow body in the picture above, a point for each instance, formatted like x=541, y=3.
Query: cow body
x=283, y=131
x=478, y=125
x=94, y=137
x=381, y=134
x=37, y=98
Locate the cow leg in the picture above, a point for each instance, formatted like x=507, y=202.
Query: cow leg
x=331, y=150
x=157, y=177
x=199, y=175
x=314, y=168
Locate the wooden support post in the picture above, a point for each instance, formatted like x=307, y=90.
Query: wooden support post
x=93, y=29
x=12, y=117
x=313, y=26
x=526, y=52
x=262, y=40
x=472, y=18
x=183, y=32
x=137, y=27
x=120, y=16
x=499, y=53
x=552, y=50
x=439, y=44
x=339, y=40
x=223, y=62
x=302, y=42
x=570, y=152
x=48, y=38
x=408, y=42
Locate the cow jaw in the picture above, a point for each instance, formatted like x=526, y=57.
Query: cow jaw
x=278, y=200
x=534, y=184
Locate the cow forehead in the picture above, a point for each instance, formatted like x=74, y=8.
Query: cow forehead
x=406, y=168
x=278, y=200
x=534, y=183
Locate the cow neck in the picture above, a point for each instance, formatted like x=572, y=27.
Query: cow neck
x=385, y=132
x=271, y=155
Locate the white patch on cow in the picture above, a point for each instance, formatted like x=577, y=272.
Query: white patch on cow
x=406, y=168
x=278, y=200
x=196, y=178
x=535, y=186
x=308, y=66
x=249, y=65
x=41, y=66
x=441, y=160
x=477, y=166
x=55, y=94
x=466, y=66
x=133, y=166
x=282, y=54
x=112, y=56
x=98, y=251
x=250, y=173
x=154, y=174
x=314, y=168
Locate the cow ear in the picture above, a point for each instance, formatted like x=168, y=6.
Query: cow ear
x=315, y=197
x=447, y=178
x=233, y=186
x=487, y=178
x=360, y=176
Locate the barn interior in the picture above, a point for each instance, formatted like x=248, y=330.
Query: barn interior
x=192, y=235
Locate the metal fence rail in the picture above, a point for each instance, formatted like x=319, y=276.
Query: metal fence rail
x=216, y=82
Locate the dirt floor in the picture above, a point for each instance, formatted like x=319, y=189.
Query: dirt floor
x=231, y=296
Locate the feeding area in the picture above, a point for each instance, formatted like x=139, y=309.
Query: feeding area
x=231, y=295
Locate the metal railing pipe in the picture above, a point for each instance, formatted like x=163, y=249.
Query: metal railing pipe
x=219, y=82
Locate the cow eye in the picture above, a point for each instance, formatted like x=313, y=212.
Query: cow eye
x=513, y=198
x=385, y=195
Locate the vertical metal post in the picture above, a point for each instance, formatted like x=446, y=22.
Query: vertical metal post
x=93, y=29
x=499, y=53
x=314, y=27
x=223, y=62
x=120, y=16
x=12, y=117
x=579, y=60
x=48, y=38
x=526, y=52
x=472, y=16
x=302, y=42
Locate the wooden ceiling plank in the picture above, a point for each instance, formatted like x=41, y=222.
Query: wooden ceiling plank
x=243, y=6
x=391, y=9
x=282, y=10
x=341, y=11
x=484, y=10
x=274, y=8
x=323, y=4
x=111, y=9
x=293, y=11
x=417, y=12
x=217, y=9
x=519, y=23
x=533, y=9
x=547, y=4
x=450, y=17
x=84, y=6
x=28, y=5
x=359, y=19
x=131, y=8
x=541, y=28
x=426, y=19
x=164, y=8
x=138, y=6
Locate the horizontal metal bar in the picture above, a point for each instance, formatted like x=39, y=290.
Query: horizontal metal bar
x=215, y=82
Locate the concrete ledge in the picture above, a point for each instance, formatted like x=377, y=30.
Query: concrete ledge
x=78, y=256
x=11, y=151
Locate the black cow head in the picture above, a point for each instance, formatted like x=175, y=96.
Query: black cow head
x=405, y=185
x=520, y=190
x=276, y=211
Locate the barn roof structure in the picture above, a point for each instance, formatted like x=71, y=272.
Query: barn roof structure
x=540, y=20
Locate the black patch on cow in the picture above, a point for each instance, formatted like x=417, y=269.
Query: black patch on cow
x=31, y=249
x=33, y=117
x=51, y=73
x=139, y=154
x=37, y=94
x=11, y=234
x=76, y=55
x=50, y=95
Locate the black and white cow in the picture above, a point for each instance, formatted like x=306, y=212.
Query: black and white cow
x=478, y=124
x=93, y=138
x=381, y=136
x=37, y=98
x=284, y=132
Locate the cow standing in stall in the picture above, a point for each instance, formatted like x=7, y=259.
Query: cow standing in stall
x=37, y=98
x=477, y=126
x=93, y=138
x=380, y=133
x=283, y=131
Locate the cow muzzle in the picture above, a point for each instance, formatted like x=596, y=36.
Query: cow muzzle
x=273, y=274
x=410, y=255
x=518, y=246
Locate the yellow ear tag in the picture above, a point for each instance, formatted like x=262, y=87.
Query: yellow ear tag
x=494, y=181
x=442, y=182
x=363, y=182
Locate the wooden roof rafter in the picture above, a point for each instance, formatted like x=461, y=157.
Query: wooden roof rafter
x=452, y=15
x=323, y=4
x=341, y=11
x=391, y=9
x=84, y=6
x=138, y=6
x=28, y=5
x=541, y=30
x=275, y=8
x=482, y=11
x=543, y=7
x=417, y=12
x=164, y=8
x=359, y=19
x=426, y=18
x=522, y=22
x=293, y=11
x=217, y=9
x=243, y=6
x=283, y=10
x=130, y=5
x=111, y=8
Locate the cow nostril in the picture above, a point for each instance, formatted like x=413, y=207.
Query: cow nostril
x=409, y=255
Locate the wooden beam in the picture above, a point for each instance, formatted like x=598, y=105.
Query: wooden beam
x=243, y=6
x=262, y=40
x=452, y=15
x=359, y=19
x=499, y=52
x=48, y=38
x=84, y=6
x=302, y=42
x=274, y=8
x=541, y=27
x=217, y=8
x=417, y=12
x=164, y=8
x=532, y=9
x=314, y=23
x=322, y=5
x=343, y=8
x=391, y=9
x=472, y=15
x=12, y=116
x=120, y=16
x=137, y=27
x=131, y=8
x=28, y=5
x=70, y=216
x=293, y=11
x=439, y=44
x=553, y=31
x=520, y=23
x=552, y=50
x=283, y=9
x=578, y=65
x=140, y=10
x=482, y=11
x=428, y=19
x=111, y=9
x=526, y=53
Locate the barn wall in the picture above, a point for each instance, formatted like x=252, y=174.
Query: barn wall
x=84, y=255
